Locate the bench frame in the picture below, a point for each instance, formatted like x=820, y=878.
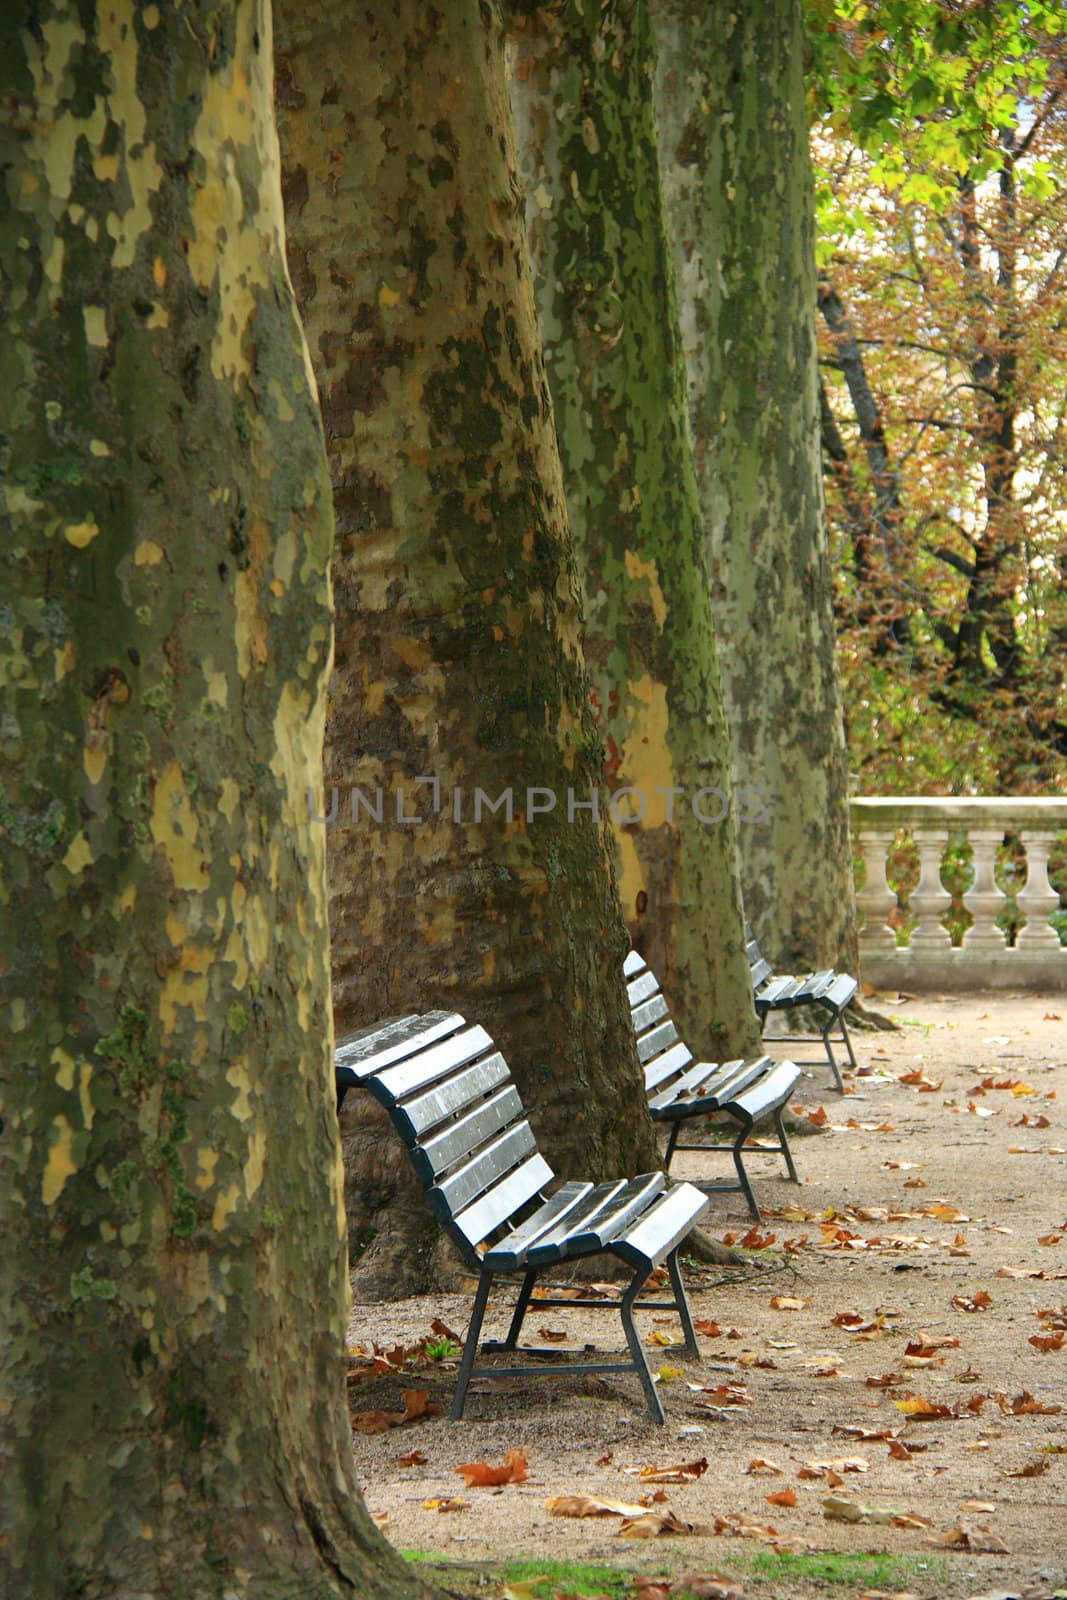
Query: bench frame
x=815, y=990
x=451, y=1098
x=748, y=1092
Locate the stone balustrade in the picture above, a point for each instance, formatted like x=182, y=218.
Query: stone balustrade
x=985, y=959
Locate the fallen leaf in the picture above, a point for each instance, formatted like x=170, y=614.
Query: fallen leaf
x=585, y=1505
x=682, y=1473
x=653, y=1524
x=417, y=1403
x=657, y=1336
x=669, y=1374
x=758, y=1466
x=1050, y=1238
x=710, y=1330
x=961, y=1538
x=789, y=1302
x=1054, y=1341
x=979, y=1302
x=865, y=1434
x=922, y=1410
x=524, y=1588
x=553, y=1335
x=1032, y=1469
x=380, y=1519
x=886, y=1381
x=446, y=1502
x=414, y=1458
x=480, y=1475
x=443, y=1331
x=722, y=1394
x=784, y=1497
x=1025, y=1405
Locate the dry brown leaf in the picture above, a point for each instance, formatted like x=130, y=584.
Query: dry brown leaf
x=784, y=1497
x=1025, y=1405
x=380, y=1519
x=683, y=1472
x=866, y=1434
x=1046, y=1344
x=710, y=1330
x=653, y=1524
x=1032, y=1469
x=585, y=1505
x=760, y=1467
x=480, y=1475
x=446, y=1502
x=443, y=1331
x=552, y=1335
x=414, y=1458
x=922, y=1410
x=722, y=1394
x=838, y=1464
x=789, y=1302
x=978, y=1302
x=980, y=1541
x=417, y=1403
x=886, y=1381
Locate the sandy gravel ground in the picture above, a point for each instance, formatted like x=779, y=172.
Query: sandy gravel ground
x=918, y=1200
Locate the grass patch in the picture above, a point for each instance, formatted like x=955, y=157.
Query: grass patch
x=575, y=1577
x=845, y=1567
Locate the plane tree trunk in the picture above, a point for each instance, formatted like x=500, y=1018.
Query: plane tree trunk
x=460, y=683
x=738, y=190
x=582, y=96
x=172, y=1293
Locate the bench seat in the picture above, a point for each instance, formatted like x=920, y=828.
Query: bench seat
x=827, y=991
x=452, y=1099
x=678, y=1088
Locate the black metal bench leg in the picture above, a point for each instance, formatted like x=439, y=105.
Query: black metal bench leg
x=633, y=1341
x=831, y=1058
x=520, y=1309
x=753, y=1209
x=848, y=1040
x=470, y=1347
x=672, y=1140
x=681, y=1300
x=783, y=1144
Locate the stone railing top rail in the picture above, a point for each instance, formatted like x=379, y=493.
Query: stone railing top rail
x=941, y=811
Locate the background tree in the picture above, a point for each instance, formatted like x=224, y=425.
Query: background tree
x=458, y=614
x=943, y=219
x=737, y=183
x=582, y=97
x=173, y=1288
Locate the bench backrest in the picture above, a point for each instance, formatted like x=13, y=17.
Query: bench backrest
x=453, y=1101
x=659, y=1049
x=760, y=969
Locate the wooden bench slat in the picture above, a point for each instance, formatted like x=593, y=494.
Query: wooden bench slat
x=510, y=1253
x=651, y=1044
x=494, y=1208
x=550, y=1247
x=641, y=988
x=703, y=1082
x=771, y=1092
x=623, y=1209
x=841, y=991
x=665, y=1066
x=375, y=1047
x=483, y=1170
x=434, y=1156
x=447, y=1099
x=652, y=1011
x=663, y=1226
x=396, y=1083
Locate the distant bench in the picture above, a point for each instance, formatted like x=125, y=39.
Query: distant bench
x=454, y=1103
x=748, y=1092
x=827, y=991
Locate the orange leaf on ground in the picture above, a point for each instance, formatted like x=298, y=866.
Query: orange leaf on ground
x=784, y=1497
x=922, y=1410
x=443, y=1331
x=1032, y=1469
x=1047, y=1343
x=414, y=1458
x=652, y=1524
x=710, y=1330
x=789, y=1302
x=480, y=1475
x=585, y=1505
x=552, y=1335
x=722, y=1394
x=417, y=1403
x=979, y=1302
x=1024, y=1405
x=886, y=1381
x=759, y=1466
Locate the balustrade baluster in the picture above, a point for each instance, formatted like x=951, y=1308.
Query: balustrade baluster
x=876, y=899
x=930, y=898
x=984, y=899
x=1039, y=899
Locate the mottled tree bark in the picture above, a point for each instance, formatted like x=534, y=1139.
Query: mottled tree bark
x=582, y=96
x=172, y=1296
x=738, y=190
x=458, y=618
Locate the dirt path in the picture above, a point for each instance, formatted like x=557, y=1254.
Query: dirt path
x=893, y=1152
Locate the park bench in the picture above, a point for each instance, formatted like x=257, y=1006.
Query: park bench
x=678, y=1089
x=829, y=992
x=454, y=1103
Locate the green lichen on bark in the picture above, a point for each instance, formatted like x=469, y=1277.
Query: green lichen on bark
x=604, y=278
x=458, y=612
x=172, y=1397
x=737, y=184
